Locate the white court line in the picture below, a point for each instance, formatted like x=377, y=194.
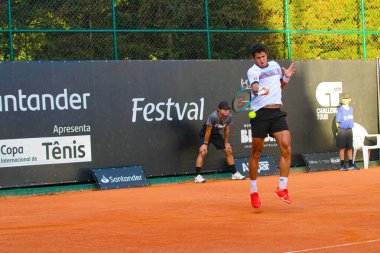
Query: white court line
x=334, y=246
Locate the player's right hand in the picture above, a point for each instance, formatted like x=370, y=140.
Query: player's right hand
x=255, y=88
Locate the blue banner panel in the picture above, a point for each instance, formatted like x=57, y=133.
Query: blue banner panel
x=267, y=166
x=120, y=177
x=322, y=161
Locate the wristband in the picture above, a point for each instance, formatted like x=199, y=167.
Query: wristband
x=206, y=143
x=285, y=79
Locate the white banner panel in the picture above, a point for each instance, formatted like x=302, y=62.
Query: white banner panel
x=45, y=150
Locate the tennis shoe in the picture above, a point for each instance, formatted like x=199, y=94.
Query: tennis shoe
x=255, y=201
x=283, y=195
x=343, y=168
x=199, y=179
x=354, y=167
x=237, y=176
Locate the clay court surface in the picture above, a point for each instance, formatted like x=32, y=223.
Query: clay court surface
x=332, y=212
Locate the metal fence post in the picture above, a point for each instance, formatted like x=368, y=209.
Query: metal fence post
x=363, y=31
x=286, y=10
x=207, y=30
x=114, y=30
x=11, y=57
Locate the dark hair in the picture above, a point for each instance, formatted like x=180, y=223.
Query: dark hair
x=224, y=105
x=258, y=48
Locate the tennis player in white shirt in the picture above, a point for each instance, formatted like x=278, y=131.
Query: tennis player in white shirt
x=270, y=119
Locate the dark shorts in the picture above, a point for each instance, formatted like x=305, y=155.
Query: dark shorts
x=216, y=139
x=268, y=121
x=344, y=139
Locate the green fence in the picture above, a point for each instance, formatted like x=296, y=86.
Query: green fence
x=188, y=29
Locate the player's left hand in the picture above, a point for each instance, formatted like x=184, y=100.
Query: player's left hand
x=289, y=72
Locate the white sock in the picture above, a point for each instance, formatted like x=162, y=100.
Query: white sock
x=253, y=186
x=283, y=183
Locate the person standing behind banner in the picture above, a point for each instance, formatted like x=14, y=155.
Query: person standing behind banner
x=209, y=133
x=344, y=138
x=270, y=119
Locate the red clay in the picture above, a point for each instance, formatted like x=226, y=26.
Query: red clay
x=332, y=212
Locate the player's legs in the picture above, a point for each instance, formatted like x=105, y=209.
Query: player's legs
x=349, y=149
x=280, y=131
x=200, y=158
x=199, y=162
x=343, y=141
x=259, y=132
x=341, y=154
x=351, y=164
x=284, y=142
x=218, y=141
x=349, y=153
x=231, y=164
x=257, y=148
x=229, y=156
x=201, y=153
x=254, y=159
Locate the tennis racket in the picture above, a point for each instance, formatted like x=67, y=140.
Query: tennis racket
x=243, y=99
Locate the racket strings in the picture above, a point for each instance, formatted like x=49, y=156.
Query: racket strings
x=241, y=100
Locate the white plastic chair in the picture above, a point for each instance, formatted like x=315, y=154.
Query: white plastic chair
x=359, y=134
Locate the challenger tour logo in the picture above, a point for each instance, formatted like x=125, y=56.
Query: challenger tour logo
x=327, y=95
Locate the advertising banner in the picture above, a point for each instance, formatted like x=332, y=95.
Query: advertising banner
x=267, y=166
x=322, y=161
x=61, y=119
x=121, y=177
x=49, y=150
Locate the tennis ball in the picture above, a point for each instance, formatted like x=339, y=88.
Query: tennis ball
x=252, y=114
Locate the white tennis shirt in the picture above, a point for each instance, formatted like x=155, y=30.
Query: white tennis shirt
x=268, y=77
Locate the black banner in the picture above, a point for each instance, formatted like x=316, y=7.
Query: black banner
x=322, y=161
x=59, y=119
x=267, y=166
x=121, y=177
